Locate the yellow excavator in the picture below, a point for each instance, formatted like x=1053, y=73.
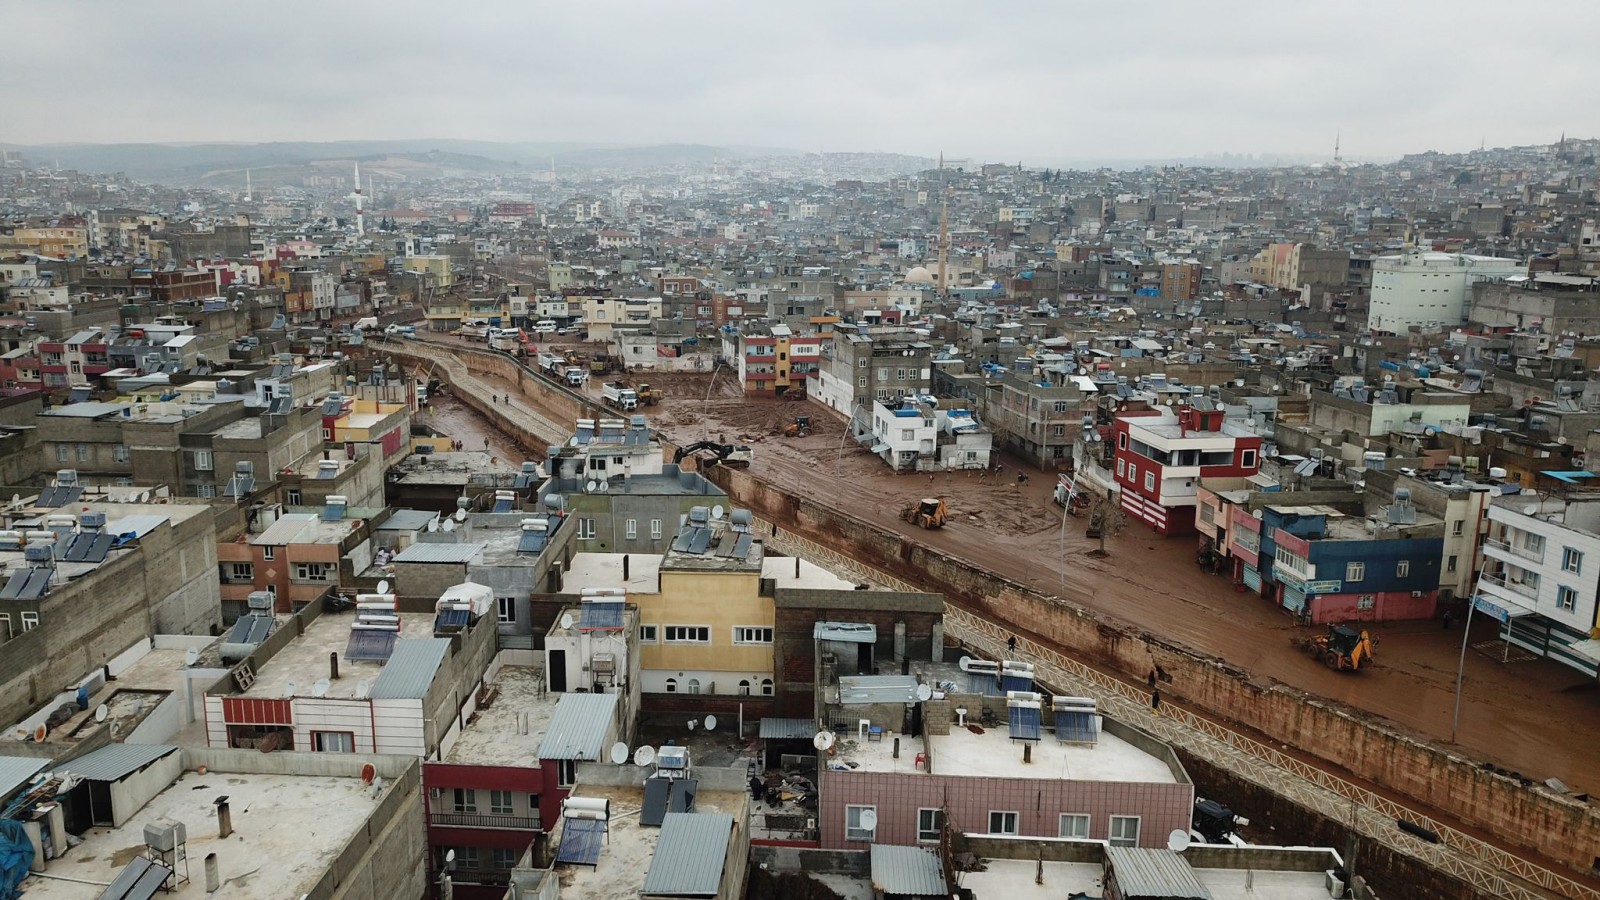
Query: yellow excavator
x=1343, y=647
x=929, y=512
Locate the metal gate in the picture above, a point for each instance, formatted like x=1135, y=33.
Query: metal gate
x=1294, y=599
x=1252, y=578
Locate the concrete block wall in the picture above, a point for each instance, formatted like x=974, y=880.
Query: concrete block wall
x=1558, y=828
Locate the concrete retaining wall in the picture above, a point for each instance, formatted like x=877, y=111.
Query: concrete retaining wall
x=1556, y=827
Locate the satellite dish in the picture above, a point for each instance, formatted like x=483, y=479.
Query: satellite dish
x=1178, y=840
x=100, y=713
x=449, y=526
x=16, y=499
x=320, y=689
x=822, y=740
x=924, y=692
x=461, y=515
x=644, y=756
x=191, y=656
x=370, y=772
x=693, y=723
x=591, y=487
x=288, y=689
x=964, y=662
x=449, y=857
x=383, y=586
x=716, y=512
x=363, y=689
x=144, y=496
x=39, y=733
x=710, y=723
x=566, y=620
x=433, y=524
x=1531, y=509
x=869, y=819
x=619, y=753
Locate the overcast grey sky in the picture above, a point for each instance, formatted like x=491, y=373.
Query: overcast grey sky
x=1038, y=82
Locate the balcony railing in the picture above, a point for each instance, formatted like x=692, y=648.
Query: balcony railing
x=480, y=876
x=1523, y=552
x=1515, y=587
x=479, y=820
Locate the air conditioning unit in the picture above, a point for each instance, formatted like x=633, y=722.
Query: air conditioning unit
x=1334, y=884
x=1416, y=593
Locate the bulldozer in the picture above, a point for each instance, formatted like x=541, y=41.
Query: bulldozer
x=1342, y=647
x=929, y=512
x=799, y=428
x=648, y=396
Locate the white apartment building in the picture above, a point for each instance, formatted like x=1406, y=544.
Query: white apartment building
x=1426, y=288
x=1539, y=581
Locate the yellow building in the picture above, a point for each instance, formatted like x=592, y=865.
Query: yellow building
x=437, y=268
x=58, y=242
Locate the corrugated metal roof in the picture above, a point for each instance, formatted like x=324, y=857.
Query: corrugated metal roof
x=788, y=729
x=429, y=552
x=140, y=525
x=410, y=669
x=906, y=870
x=689, y=855
x=408, y=520
x=114, y=761
x=1147, y=872
x=15, y=772
x=857, y=689
x=578, y=726
x=854, y=632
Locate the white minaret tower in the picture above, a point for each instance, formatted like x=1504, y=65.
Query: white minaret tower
x=361, y=221
x=247, y=192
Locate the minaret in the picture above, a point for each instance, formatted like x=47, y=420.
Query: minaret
x=361, y=221
x=247, y=192
x=1336, y=136
x=944, y=227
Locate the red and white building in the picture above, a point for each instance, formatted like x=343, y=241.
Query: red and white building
x=1161, y=455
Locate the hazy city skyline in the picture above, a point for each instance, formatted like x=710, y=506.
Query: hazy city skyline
x=1040, y=86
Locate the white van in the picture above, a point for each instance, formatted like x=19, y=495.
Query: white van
x=544, y=326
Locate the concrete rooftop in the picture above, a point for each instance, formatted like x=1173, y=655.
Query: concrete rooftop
x=604, y=570
x=287, y=830
x=994, y=755
x=304, y=660
x=494, y=738
x=625, y=855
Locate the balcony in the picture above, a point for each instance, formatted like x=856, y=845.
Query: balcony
x=460, y=875
x=1510, y=551
x=478, y=820
x=1514, y=587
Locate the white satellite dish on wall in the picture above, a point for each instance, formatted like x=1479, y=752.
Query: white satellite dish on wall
x=711, y=723
x=619, y=753
x=822, y=740
x=693, y=724
x=566, y=620
x=716, y=512
x=100, y=713
x=591, y=487
x=288, y=689
x=1178, y=840
x=363, y=689
x=191, y=656
x=644, y=756
x=448, y=526
x=869, y=819
x=924, y=692
x=461, y=515
x=433, y=524
x=144, y=496
x=320, y=689
x=383, y=586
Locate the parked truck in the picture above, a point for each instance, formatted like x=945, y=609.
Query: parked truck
x=619, y=396
x=576, y=376
x=553, y=364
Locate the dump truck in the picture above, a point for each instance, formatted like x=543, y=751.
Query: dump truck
x=553, y=364
x=929, y=512
x=619, y=396
x=1342, y=647
x=576, y=376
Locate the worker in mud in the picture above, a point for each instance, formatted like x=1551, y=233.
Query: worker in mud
x=1011, y=644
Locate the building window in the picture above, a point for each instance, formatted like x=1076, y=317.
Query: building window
x=1122, y=465
x=269, y=552
x=744, y=687
x=310, y=571
x=1533, y=543
x=1571, y=560
x=672, y=685
x=1150, y=481
x=655, y=529
x=908, y=434
x=862, y=381
x=30, y=621
x=1450, y=564
x=1002, y=823
x=333, y=741
x=647, y=634
x=631, y=529
x=119, y=453
x=505, y=610
x=1059, y=430
x=503, y=858
x=860, y=823
x=766, y=687
x=688, y=634
x=751, y=634
x=930, y=822
x=1402, y=569
x=566, y=772
x=466, y=800
x=241, y=572
x=291, y=497
x=205, y=490
x=1247, y=459
x=1457, y=527
x=83, y=453
x=861, y=363
x=1124, y=831
x=1122, y=441
x=5, y=626
x=1074, y=825
x=693, y=686
x=500, y=803
x=203, y=461
x=585, y=528
x=1366, y=601
x=1356, y=571
x=63, y=453
x=1566, y=599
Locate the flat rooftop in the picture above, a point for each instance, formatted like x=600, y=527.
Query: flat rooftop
x=1013, y=879
x=287, y=830
x=604, y=570
x=304, y=660
x=495, y=737
x=134, y=693
x=628, y=848
x=304, y=528
x=994, y=755
x=780, y=569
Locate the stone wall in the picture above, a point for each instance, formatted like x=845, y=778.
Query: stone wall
x=1562, y=829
